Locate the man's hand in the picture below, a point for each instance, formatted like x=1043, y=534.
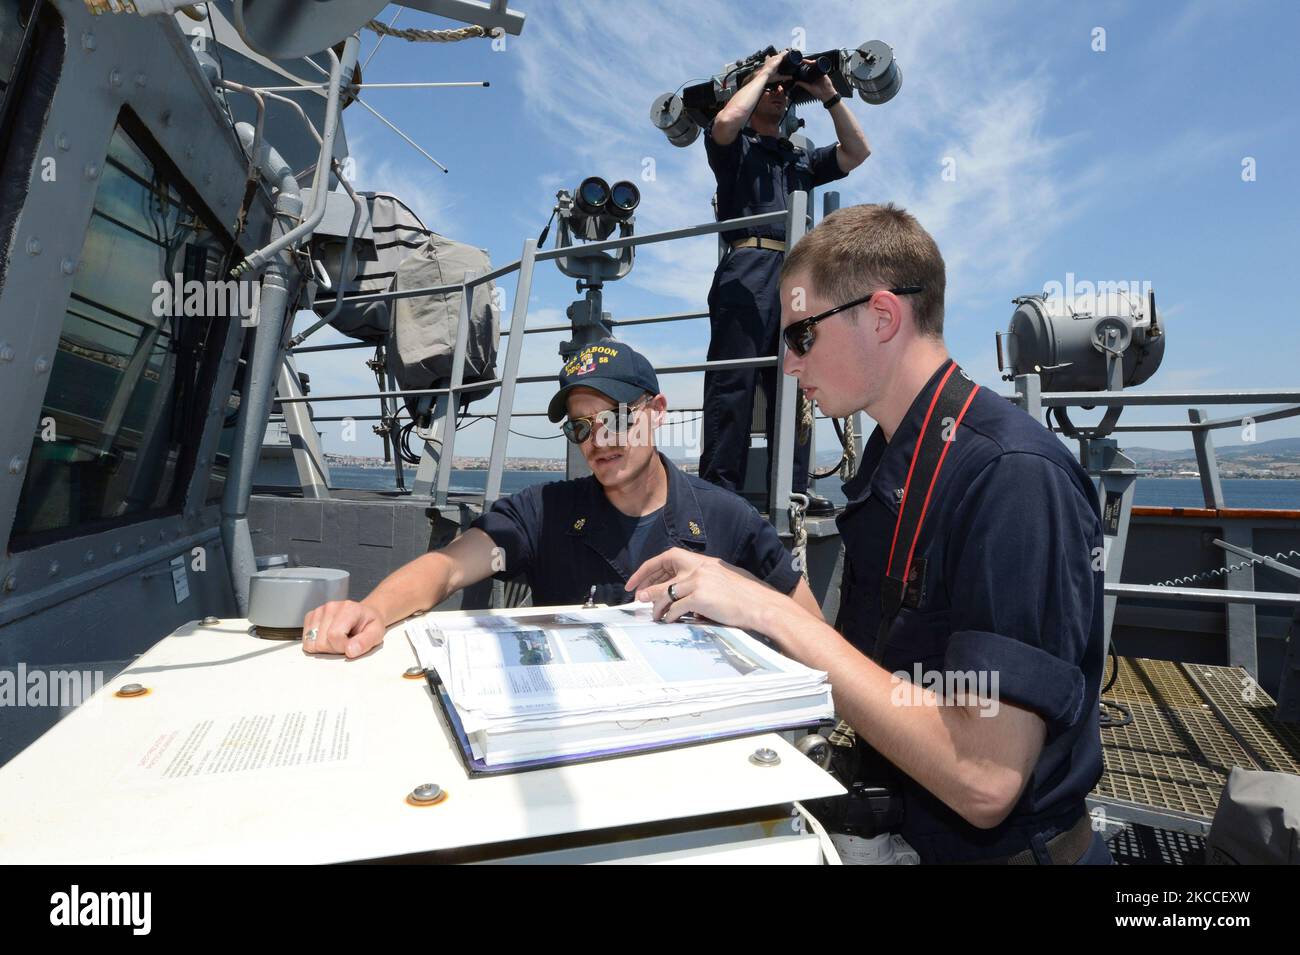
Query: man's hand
x=705, y=586
x=732, y=117
x=343, y=626
x=773, y=63
x=664, y=568
x=822, y=88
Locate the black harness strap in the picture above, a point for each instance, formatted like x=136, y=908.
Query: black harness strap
x=939, y=429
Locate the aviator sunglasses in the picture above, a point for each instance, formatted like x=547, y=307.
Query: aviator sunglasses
x=615, y=420
x=799, y=336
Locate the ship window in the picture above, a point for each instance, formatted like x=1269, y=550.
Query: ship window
x=11, y=41
x=129, y=386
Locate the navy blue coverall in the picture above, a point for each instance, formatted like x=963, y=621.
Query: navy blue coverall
x=755, y=174
x=1009, y=585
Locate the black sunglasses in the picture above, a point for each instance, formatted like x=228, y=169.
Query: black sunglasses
x=799, y=336
x=616, y=420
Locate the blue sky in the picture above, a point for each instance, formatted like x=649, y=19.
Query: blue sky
x=1117, y=165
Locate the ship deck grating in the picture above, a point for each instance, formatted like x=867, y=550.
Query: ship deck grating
x=1191, y=725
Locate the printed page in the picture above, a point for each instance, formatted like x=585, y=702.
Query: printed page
x=229, y=743
x=571, y=666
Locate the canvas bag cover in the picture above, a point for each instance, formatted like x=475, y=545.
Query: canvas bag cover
x=423, y=337
x=398, y=232
x=1257, y=822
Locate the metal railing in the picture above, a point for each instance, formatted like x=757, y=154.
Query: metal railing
x=1239, y=595
x=782, y=461
x=1199, y=425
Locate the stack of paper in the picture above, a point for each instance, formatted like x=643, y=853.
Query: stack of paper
x=551, y=685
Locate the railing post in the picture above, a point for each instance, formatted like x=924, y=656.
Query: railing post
x=426, y=472
x=1243, y=648
x=1030, y=390
x=447, y=446
x=391, y=412
x=1240, y=619
x=781, y=454
x=506, y=403
x=1207, y=463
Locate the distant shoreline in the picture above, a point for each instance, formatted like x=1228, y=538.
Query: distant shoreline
x=558, y=466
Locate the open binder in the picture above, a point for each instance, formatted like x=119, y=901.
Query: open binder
x=533, y=688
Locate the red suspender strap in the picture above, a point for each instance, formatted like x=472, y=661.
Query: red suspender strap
x=952, y=398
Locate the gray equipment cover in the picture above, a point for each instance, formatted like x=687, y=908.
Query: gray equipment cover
x=398, y=232
x=1257, y=822
x=423, y=335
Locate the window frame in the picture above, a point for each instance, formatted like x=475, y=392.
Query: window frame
x=206, y=374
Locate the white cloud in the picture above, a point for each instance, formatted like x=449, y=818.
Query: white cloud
x=386, y=167
x=985, y=112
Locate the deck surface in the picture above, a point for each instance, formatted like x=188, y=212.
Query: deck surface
x=1191, y=724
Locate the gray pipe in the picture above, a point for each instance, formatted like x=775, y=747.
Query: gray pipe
x=260, y=100
x=268, y=345
x=259, y=382
x=338, y=69
x=268, y=162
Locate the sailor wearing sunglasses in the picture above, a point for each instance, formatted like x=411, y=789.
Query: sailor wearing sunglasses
x=568, y=538
x=972, y=549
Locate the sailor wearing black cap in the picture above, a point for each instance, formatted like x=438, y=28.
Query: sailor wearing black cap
x=566, y=537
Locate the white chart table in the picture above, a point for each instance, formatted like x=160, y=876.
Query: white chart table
x=158, y=778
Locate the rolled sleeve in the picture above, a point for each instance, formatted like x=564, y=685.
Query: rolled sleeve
x=825, y=166
x=513, y=523
x=1025, y=675
x=1024, y=593
x=723, y=160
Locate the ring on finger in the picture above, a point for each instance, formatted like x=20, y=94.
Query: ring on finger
x=311, y=634
x=672, y=593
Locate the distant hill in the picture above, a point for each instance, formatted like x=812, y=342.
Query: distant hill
x=1275, y=451
x=1278, y=449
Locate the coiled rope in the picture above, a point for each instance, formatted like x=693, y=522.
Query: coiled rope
x=432, y=36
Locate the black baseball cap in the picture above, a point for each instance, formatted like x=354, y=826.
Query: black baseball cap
x=610, y=367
